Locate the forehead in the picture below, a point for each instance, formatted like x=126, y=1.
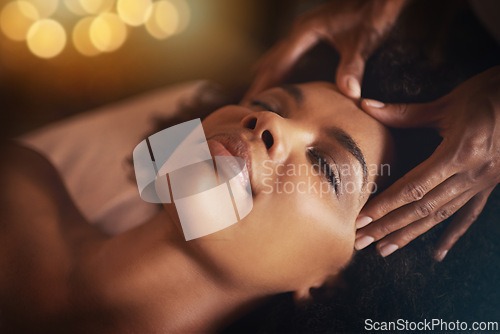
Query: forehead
x=322, y=100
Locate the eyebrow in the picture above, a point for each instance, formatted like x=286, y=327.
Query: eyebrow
x=294, y=92
x=350, y=145
x=334, y=132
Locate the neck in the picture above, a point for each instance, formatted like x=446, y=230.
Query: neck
x=157, y=278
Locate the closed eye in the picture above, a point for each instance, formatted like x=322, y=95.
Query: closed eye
x=325, y=168
x=266, y=107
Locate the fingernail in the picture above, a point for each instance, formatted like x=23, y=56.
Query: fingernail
x=439, y=256
x=374, y=103
x=362, y=242
x=362, y=221
x=388, y=249
x=354, y=87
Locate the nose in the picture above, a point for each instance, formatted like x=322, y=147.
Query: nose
x=271, y=129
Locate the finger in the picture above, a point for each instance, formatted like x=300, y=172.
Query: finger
x=350, y=74
x=431, y=204
x=412, y=187
x=404, y=115
x=279, y=61
x=461, y=223
x=401, y=238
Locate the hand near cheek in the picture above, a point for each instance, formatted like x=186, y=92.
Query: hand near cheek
x=458, y=177
x=355, y=28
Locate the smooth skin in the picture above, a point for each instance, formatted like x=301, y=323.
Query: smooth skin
x=462, y=172
x=60, y=274
x=457, y=178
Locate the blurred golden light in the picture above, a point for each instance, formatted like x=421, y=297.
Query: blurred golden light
x=16, y=19
x=107, y=32
x=75, y=7
x=184, y=14
x=81, y=37
x=96, y=6
x=164, y=20
x=134, y=12
x=45, y=8
x=46, y=38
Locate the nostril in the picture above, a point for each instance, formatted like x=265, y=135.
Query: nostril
x=267, y=138
x=251, y=123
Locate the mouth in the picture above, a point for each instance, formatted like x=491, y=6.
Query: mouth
x=233, y=145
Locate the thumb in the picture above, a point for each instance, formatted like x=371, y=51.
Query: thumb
x=403, y=115
x=349, y=75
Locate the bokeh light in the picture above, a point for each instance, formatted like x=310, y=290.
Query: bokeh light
x=164, y=20
x=46, y=38
x=99, y=25
x=96, y=6
x=184, y=14
x=81, y=37
x=75, y=7
x=45, y=8
x=108, y=32
x=134, y=12
x=16, y=19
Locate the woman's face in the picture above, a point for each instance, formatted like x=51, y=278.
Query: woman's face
x=311, y=155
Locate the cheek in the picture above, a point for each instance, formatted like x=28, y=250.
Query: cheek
x=304, y=238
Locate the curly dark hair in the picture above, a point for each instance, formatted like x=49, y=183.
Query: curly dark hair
x=417, y=63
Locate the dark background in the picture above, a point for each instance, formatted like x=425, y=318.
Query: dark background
x=437, y=45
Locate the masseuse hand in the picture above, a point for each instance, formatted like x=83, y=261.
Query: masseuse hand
x=355, y=28
x=459, y=175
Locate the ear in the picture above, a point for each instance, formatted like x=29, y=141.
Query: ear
x=305, y=294
x=302, y=296
x=328, y=289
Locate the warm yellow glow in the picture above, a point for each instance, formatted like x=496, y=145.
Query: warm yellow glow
x=46, y=38
x=75, y=7
x=81, y=37
x=45, y=8
x=16, y=19
x=107, y=32
x=164, y=20
x=134, y=12
x=96, y=6
x=184, y=14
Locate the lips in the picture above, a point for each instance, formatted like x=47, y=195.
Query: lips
x=231, y=145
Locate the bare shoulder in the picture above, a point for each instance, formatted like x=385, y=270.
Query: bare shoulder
x=30, y=187
x=33, y=195
x=16, y=160
x=40, y=230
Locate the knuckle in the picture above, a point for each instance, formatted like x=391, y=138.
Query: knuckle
x=443, y=213
x=409, y=235
x=413, y=192
x=423, y=209
x=383, y=230
x=489, y=168
x=474, y=147
x=401, y=109
x=473, y=216
x=382, y=209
